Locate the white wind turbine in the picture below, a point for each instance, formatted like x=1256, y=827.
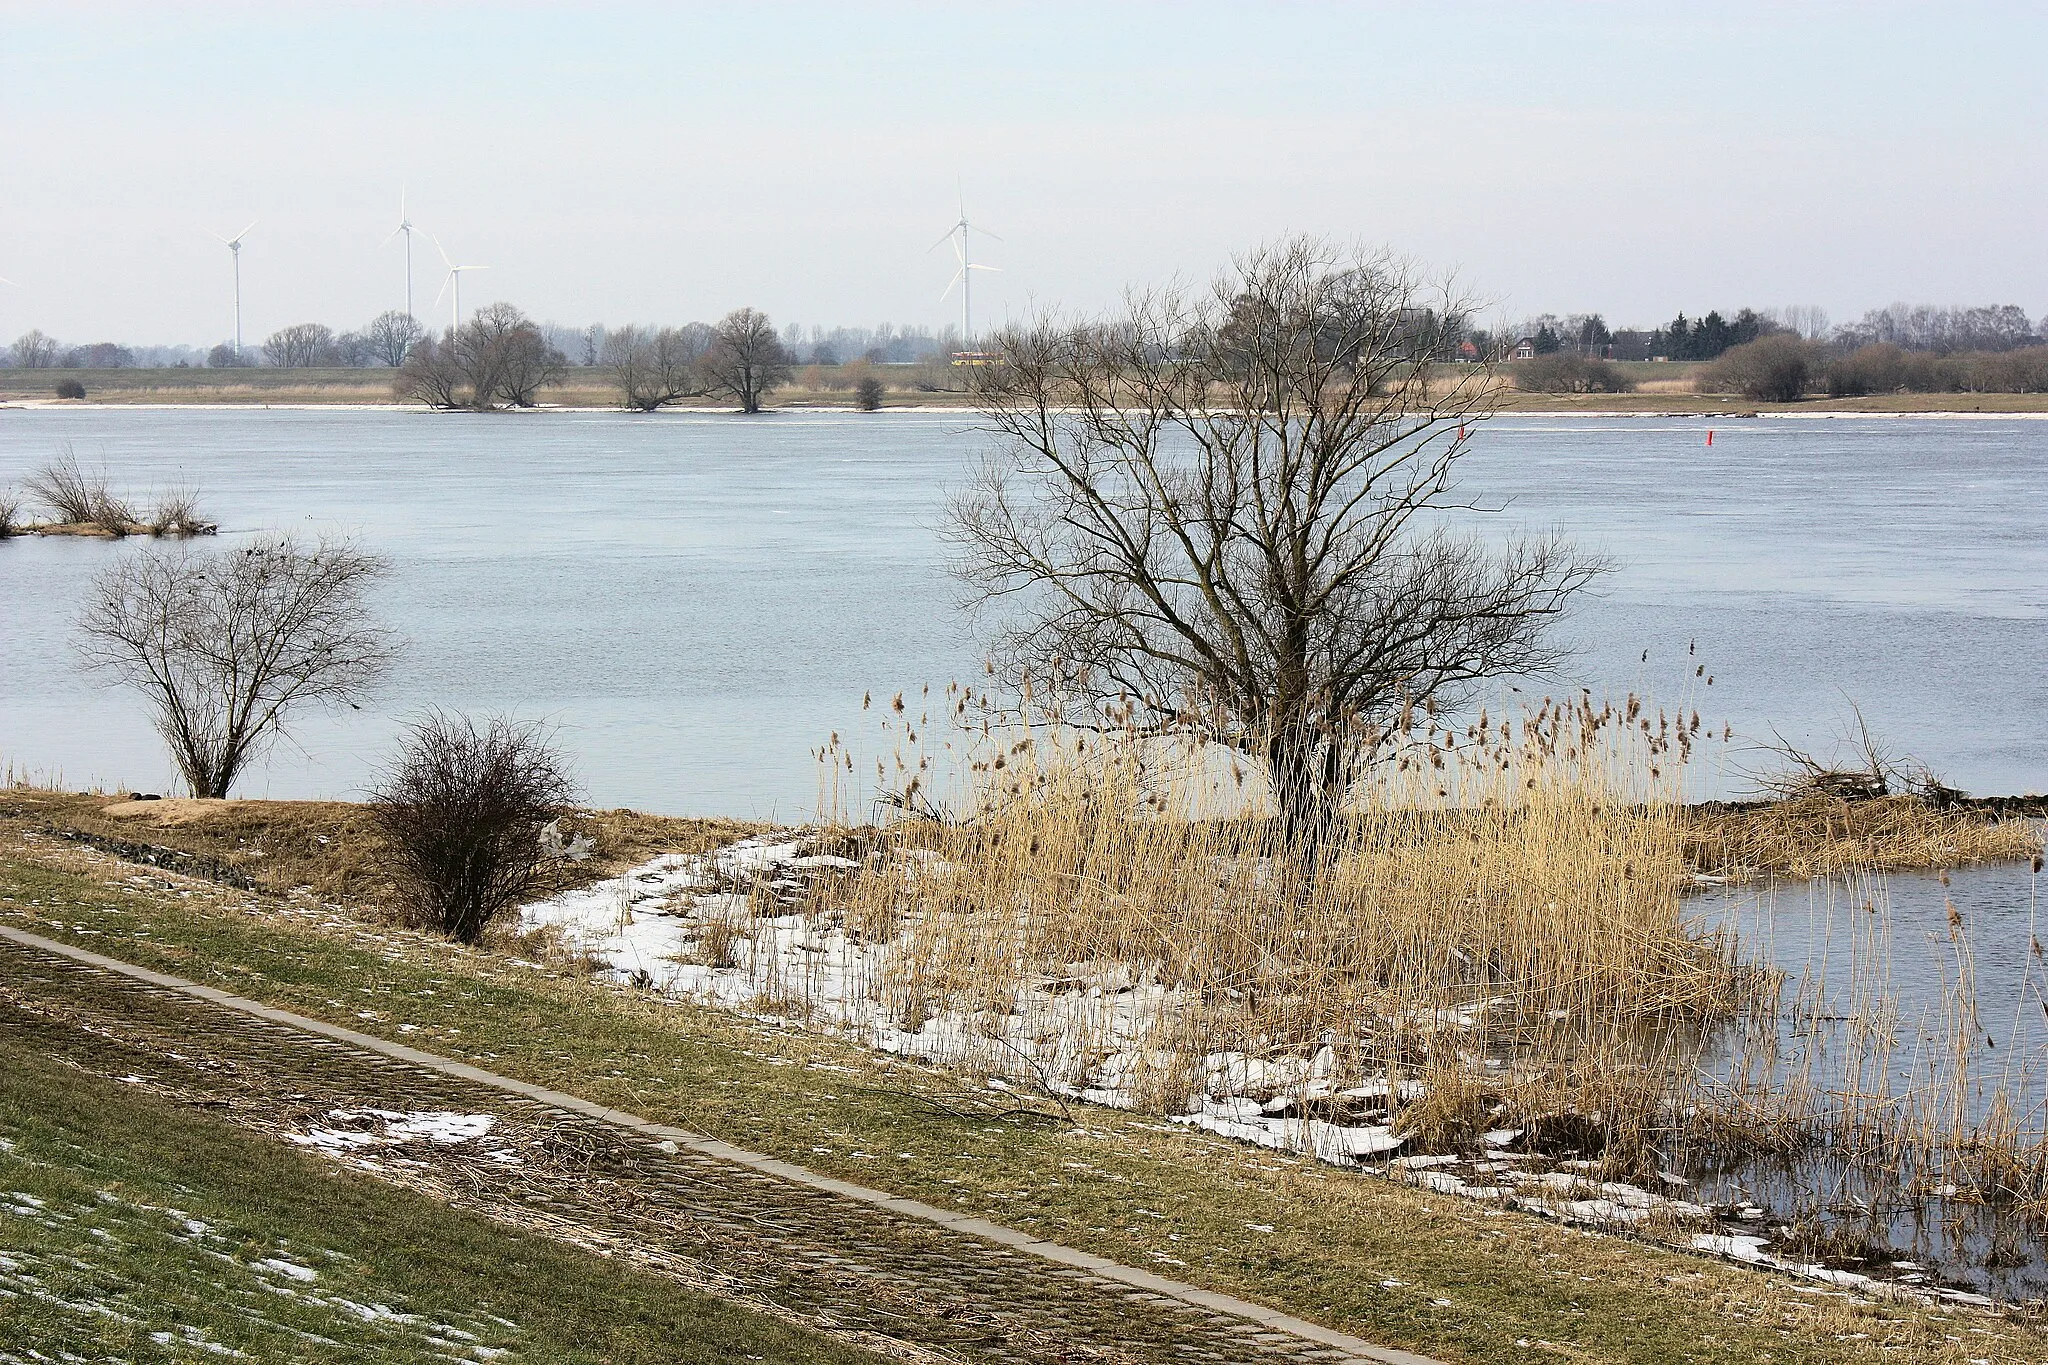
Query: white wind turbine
x=453, y=281
x=234, y=245
x=404, y=226
x=964, y=276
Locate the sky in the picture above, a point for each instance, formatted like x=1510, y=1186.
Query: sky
x=658, y=164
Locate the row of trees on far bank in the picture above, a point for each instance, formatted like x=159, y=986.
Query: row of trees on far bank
x=1783, y=367
x=501, y=358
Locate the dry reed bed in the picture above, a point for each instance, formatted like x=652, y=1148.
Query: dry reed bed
x=1818, y=835
x=1499, y=939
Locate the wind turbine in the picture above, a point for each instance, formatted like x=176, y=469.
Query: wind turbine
x=404, y=226
x=234, y=244
x=964, y=276
x=454, y=279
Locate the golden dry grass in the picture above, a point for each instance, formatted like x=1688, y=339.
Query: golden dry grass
x=1510, y=889
x=1818, y=835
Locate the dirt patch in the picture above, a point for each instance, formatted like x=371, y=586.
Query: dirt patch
x=172, y=810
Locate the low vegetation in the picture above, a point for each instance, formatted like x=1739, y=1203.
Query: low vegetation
x=1393, y=1264
x=145, y=1229
x=1771, y=369
x=1570, y=372
x=83, y=502
x=462, y=812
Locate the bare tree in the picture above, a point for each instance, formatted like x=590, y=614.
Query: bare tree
x=1221, y=514
x=746, y=359
x=497, y=358
x=462, y=812
x=655, y=368
x=1772, y=369
x=34, y=351
x=509, y=358
x=390, y=335
x=308, y=343
x=226, y=645
x=433, y=373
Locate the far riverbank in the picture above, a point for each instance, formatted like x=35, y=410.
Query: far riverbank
x=918, y=386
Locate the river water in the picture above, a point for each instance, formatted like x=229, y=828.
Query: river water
x=698, y=599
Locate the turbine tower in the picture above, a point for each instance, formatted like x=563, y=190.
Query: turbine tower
x=454, y=280
x=234, y=246
x=964, y=276
x=404, y=226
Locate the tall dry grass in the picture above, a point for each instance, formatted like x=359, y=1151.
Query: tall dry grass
x=1502, y=939
x=1498, y=934
x=1819, y=835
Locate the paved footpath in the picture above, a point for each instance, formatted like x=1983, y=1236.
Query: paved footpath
x=888, y=1271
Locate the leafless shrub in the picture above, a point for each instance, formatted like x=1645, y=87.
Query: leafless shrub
x=1861, y=767
x=1570, y=372
x=462, y=811
x=654, y=368
x=1772, y=369
x=10, y=511
x=226, y=645
x=867, y=393
x=176, y=514
x=79, y=498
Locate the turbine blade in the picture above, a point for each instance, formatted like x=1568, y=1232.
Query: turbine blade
x=444, y=285
x=958, y=275
x=993, y=269
x=394, y=232
x=244, y=232
x=943, y=240
x=438, y=247
x=985, y=232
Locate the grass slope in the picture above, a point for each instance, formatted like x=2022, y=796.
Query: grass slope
x=138, y=1229
x=1386, y=1262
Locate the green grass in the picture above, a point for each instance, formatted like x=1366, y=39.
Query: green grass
x=1388, y=1263
x=137, y=1229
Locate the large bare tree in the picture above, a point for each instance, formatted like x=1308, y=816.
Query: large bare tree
x=498, y=358
x=226, y=645
x=391, y=334
x=746, y=359
x=305, y=343
x=654, y=368
x=35, y=351
x=1226, y=510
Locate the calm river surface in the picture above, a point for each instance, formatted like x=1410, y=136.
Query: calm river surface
x=697, y=600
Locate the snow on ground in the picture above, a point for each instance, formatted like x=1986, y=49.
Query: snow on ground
x=353, y=1131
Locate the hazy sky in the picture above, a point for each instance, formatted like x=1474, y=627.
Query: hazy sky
x=664, y=163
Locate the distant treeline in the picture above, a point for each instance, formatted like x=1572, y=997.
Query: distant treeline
x=1910, y=327
x=386, y=339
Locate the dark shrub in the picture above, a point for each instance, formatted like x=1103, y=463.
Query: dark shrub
x=462, y=812
x=70, y=388
x=1570, y=372
x=1772, y=369
x=867, y=394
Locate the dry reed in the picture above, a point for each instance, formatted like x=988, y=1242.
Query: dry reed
x=1498, y=932
x=1502, y=939
x=1819, y=835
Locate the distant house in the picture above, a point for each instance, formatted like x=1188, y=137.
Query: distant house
x=1525, y=349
